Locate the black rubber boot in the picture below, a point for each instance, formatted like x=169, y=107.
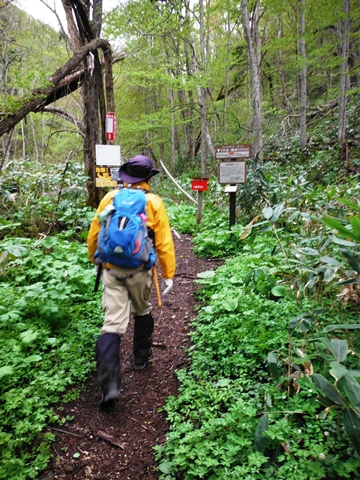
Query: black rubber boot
x=108, y=367
x=143, y=329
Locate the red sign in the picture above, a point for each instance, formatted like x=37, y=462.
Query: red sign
x=199, y=184
x=110, y=126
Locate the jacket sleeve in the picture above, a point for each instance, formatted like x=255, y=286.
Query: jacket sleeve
x=164, y=245
x=96, y=225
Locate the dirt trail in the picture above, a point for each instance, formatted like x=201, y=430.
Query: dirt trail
x=118, y=444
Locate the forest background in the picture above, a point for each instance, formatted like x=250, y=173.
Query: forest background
x=182, y=78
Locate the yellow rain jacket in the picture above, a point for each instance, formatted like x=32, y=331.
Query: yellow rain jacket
x=157, y=221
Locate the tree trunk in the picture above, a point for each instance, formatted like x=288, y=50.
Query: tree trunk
x=303, y=77
x=189, y=72
x=254, y=61
x=344, y=31
x=226, y=86
x=203, y=109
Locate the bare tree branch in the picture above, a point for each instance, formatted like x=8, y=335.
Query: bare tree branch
x=39, y=98
x=68, y=116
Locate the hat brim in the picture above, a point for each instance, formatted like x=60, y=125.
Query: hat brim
x=130, y=179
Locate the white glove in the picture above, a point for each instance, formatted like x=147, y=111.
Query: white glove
x=166, y=285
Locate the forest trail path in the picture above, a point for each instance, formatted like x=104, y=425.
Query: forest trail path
x=118, y=444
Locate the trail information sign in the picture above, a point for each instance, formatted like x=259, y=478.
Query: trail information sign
x=232, y=172
x=108, y=161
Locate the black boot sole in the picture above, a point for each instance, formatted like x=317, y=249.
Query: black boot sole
x=110, y=399
x=143, y=365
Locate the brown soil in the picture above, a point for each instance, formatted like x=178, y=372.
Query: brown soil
x=118, y=443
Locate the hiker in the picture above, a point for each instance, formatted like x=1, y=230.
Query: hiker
x=127, y=290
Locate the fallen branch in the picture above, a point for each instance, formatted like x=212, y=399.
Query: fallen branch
x=142, y=426
x=110, y=439
x=159, y=345
x=64, y=431
x=192, y=277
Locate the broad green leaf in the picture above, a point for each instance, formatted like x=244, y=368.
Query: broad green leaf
x=353, y=205
x=297, y=254
x=351, y=259
x=208, y=274
x=273, y=367
x=337, y=370
x=279, y=291
x=265, y=229
x=348, y=282
x=325, y=244
x=305, y=216
x=76, y=455
x=340, y=349
x=329, y=274
x=327, y=389
x=267, y=213
x=306, y=359
x=230, y=304
x=342, y=326
x=330, y=261
x=223, y=382
x=7, y=370
x=354, y=373
x=293, y=216
x=351, y=387
x=17, y=250
x=235, y=280
x=28, y=336
x=340, y=241
x=260, y=439
x=309, y=251
x=352, y=427
x=13, y=225
x=5, y=258
x=49, y=242
x=165, y=467
x=265, y=222
x=342, y=230
x=355, y=223
x=303, y=318
x=33, y=358
x=251, y=239
x=325, y=402
x=277, y=212
x=209, y=309
x=311, y=283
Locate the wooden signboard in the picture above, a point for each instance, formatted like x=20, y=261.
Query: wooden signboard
x=233, y=151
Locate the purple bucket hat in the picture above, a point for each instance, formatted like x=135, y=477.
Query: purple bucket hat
x=138, y=168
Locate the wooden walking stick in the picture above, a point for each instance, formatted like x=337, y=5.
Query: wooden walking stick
x=157, y=286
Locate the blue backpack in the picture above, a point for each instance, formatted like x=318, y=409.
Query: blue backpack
x=123, y=239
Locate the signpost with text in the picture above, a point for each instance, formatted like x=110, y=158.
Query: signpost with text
x=108, y=161
x=232, y=170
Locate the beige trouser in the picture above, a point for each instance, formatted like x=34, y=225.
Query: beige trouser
x=122, y=296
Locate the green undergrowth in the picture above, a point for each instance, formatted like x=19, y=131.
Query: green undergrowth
x=254, y=402
x=49, y=316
